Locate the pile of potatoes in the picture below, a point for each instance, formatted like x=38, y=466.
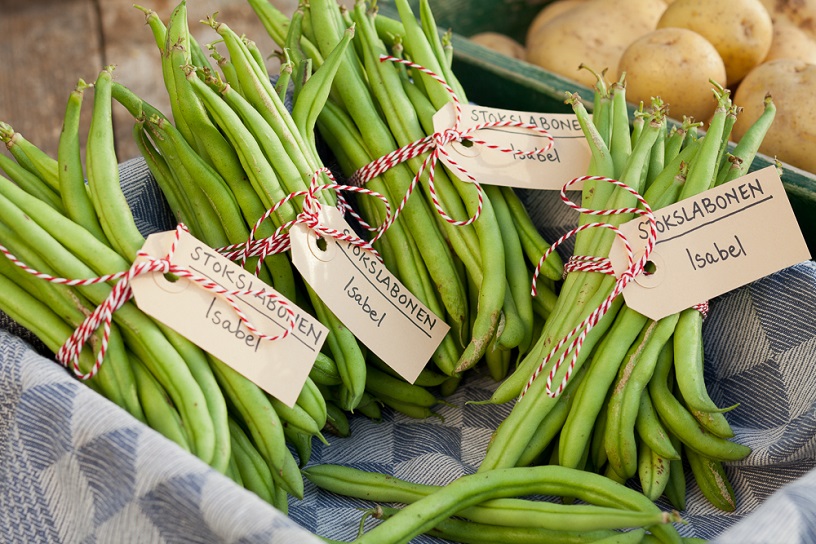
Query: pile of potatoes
x=674, y=49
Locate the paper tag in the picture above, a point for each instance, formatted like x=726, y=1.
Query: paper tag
x=367, y=298
x=279, y=367
x=713, y=243
x=566, y=160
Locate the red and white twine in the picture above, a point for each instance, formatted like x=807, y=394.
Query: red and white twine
x=121, y=292
x=279, y=241
x=577, y=335
x=434, y=144
x=102, y=316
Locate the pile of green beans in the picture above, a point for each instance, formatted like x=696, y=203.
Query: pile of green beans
x=489, y=508
x=637, y=407
x=477, y=276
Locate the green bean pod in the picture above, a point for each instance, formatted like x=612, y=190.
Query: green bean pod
x=30, y=156
x=681, y=423
x=651, y=430
x=30, y=182
x=466, y=492
x=254, y=472
x=72, y=188
x=469, y=532
x=159, y=411
x=712, y=480
x=113, y=210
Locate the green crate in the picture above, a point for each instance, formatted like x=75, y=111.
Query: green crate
x=496, y=80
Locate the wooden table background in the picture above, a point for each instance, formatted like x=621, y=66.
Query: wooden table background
x=48, y=45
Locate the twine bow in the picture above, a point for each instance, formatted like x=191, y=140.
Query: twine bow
x=434, y=144
x=577, y=335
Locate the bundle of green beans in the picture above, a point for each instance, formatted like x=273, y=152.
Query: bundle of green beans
x=476, y=275
x=637, y=405
x=57, y=224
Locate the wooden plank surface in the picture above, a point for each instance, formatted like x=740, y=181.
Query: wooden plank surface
x=50, y=44
x=47, y=46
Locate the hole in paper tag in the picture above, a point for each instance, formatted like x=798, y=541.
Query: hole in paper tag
x=466, y=148
x=322, y=249
x=654, y=273
x=169, y=283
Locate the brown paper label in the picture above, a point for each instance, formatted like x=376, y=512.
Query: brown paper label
x=566, y=160
x=713, y=243
x=279, y=367
x=367, y=298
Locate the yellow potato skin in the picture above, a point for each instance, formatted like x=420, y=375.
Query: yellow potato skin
x=594, y=34
x=501, y=43
x=740, y=30
x=675, y=64
x=792, y=85
x=791, y=42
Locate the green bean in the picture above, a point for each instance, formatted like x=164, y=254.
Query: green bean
x=254, y=472
x=115, y=215
x=616, y=347
x=681, y=423
x=653, y=471
x=337, y=422
x=551, y=424
x=431, y=32
x=620, y=141
x=259, y=171
x=72, y=188
x=381, y=384
x=748, y=146
x=275, y=23
x=414, y=411
x=676, y=487
x=651, y=430
x=30, y=182
x=730, y=119
x=324, y=371
x=295, y=416
x=518, y=277
x=497, y=359
x=402, y=126
x=176, y=198
x=689, y=361
x=597, y=449
x=159, y=411
x=301, y=442
x=313, y=402
x=712, y=480
x=262, y=422
x=470, y=532
x=430, y=504
x=531, y=240
x=703, y=171
x=30, y=156
x=199, y=367
x=623, y=406
x=211, y=223
x=260, y=92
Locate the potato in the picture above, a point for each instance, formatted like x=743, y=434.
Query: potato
x=792, y=85
x=791, y=42
x=740, y=30
x=675, y=64
x=594, y=34
x=501, y=43
x=801, y=13
x=548, y=13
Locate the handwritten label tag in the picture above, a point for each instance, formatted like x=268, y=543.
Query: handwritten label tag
x=713, y=243
x=367, y=298
x=279, y=367
x=566, y=160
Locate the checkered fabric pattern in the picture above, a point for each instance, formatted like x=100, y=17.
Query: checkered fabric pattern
x=76, y=468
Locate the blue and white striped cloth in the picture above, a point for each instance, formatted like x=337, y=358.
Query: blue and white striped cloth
x=76, y=468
